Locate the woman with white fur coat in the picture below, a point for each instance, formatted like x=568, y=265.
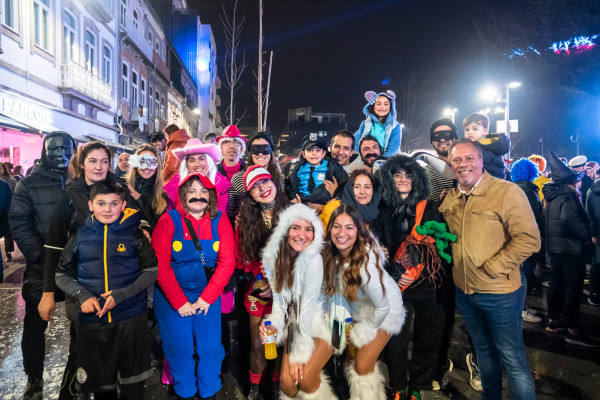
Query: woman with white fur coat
x=353, y=267
x=294, y=268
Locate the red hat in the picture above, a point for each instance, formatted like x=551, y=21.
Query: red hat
x=254, y=174
x=205, y=180
x=232, y=132
x=195, y=146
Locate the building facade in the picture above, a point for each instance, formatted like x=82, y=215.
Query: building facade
x=302, y=121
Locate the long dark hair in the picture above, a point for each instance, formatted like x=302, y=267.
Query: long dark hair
x=272, y=166
x=358, y=258
x=252, y=230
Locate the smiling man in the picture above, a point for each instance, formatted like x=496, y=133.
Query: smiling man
x=233, y=146
x=341, y=148
x=496, y=231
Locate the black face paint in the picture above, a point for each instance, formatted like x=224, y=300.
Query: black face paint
x=258, y=149
x=196, y=199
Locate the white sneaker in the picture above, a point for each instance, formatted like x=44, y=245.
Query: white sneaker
x=529, y=317
x=474, y=377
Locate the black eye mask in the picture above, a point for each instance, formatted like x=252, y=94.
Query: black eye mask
x=446, y=135
x=258, y=149
x=196, y=199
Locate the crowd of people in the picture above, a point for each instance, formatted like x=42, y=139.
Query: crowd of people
x=353, y=253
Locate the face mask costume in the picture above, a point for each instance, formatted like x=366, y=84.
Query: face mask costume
x=144, y=162
x=57, y=151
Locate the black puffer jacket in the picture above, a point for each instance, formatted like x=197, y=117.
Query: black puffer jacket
x=567, y=226
x=31, y=213
x=593, y=208
x=531, y=191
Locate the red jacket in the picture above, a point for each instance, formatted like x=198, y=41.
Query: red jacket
x=171, y=166
x=162, y=239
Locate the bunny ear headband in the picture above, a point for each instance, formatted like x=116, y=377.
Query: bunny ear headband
x=146, y=161
x=370, y=95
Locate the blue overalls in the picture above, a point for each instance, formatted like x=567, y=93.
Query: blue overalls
x=179, y=334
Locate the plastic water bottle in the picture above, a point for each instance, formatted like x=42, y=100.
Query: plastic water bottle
x=259, y=283
x=270, y=346
x=351, y=347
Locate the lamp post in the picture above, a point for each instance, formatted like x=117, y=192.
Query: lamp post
x=511, y=85
x=449, y=112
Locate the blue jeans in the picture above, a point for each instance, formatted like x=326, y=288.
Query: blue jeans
x=495, y=324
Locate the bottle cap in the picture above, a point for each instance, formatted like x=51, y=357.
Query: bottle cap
x=259, y=277
x=267, y=323
x=348, y=320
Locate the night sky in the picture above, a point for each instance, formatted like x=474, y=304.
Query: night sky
x=434, y=54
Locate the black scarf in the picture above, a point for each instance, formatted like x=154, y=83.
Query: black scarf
x=145, y=187
x=368, y=211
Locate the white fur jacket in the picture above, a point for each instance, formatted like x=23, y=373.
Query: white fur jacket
x=308, y=278
x=375, y=309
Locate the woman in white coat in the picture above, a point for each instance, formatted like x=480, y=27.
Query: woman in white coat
x=353, y=267
x=294, y=268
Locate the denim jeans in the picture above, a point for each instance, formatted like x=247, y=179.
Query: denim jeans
x=495, y=323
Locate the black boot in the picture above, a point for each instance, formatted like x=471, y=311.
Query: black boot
x=34, y=388
x=275, y=389
x=254, y=393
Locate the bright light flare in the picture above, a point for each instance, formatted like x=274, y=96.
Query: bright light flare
x=489, y=93
x=515, y=84
x=202, y=65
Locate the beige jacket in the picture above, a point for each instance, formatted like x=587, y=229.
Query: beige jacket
x=496, y=231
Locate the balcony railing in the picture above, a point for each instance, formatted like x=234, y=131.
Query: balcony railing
x=136, y=36
x=76, y=77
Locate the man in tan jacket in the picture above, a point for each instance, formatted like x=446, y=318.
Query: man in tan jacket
x=496, y=231
x=176, y=139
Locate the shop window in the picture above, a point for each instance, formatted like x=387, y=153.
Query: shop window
x=90, y=51
x=41, y=19
x=9, y=17
x=125, y=81
x=150, y=37
x=69, y=35
x=106, y=64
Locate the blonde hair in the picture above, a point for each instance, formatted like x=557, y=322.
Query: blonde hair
x=159, y=204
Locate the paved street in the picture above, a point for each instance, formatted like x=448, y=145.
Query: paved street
x=560, y=371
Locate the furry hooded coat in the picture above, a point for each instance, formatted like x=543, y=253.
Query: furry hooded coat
x=306, y=292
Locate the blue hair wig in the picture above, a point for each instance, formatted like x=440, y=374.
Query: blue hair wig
x=524, y=170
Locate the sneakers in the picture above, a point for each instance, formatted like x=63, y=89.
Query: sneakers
x=529, y=316
x=554, y=328
x=474, y=378
x=594, y=302
x=435, y=385
x=580, y=340
x=254, y=393
x=33, y=391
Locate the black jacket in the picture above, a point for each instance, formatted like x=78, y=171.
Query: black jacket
x=567, y=226
x=31, y=213
x=493, y=148
x=531, y=191
x=592, y=207
x=5, y=197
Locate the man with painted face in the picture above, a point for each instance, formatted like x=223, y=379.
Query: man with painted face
x=30, y=216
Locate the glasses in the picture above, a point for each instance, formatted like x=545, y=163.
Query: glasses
x=445, y=135
x=403, y=176
x=233, y=143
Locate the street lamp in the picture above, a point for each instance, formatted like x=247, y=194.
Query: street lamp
x=511, y=85
x=449, y=113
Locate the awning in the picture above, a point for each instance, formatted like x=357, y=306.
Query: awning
x=35, y=127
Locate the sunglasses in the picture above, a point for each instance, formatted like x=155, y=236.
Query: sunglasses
x=258, y=149
x=445, y=135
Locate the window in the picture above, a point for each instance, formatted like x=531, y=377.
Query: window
x=123, y=14
x=69, y=35
x=136, y=20
x=134, y=89
x=41, y=16
x=106, y=64
x=157, y=46
x=163, y=110
x=143, y=90
x=156, y=104
x=125, y=81
x=150, y=37
x=90, y=51
x=150, y=102
x=9, y=18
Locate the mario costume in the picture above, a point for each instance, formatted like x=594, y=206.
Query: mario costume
x=182, y=278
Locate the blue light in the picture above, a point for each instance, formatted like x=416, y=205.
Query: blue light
x=386, y=81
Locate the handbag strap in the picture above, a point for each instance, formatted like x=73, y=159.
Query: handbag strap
x=197, y=244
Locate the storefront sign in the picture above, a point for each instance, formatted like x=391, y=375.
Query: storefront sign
x=24, y=110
